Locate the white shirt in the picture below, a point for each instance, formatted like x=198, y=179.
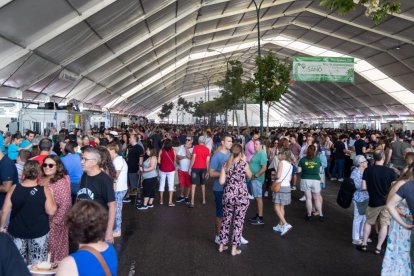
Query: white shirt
x=122, y=180
x=184, y=163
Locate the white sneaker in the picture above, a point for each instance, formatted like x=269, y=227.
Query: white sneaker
x=217, y=239
x=277, y=228
x=333, y=178
x=266, y=194
x=340, y=179
x=303, y=198
x=251, y=197
x=357, y=242
x=243, y=241
x=285, y=228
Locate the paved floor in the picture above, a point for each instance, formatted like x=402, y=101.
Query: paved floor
x=179, y=241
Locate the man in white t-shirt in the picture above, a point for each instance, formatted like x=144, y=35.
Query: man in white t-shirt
x=121, y=188
x=184, y=158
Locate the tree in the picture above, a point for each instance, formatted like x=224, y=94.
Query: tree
x=377, y=9
x=231, y=86
x=166, y=110
x=273, y=75
x=183, y=105
x=248, y=92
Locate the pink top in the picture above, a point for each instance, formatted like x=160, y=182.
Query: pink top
x=61, y=193
x=249, y=150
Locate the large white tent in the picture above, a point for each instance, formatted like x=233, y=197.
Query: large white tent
x=132, y=56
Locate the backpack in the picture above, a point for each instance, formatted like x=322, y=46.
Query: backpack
x=346, y=193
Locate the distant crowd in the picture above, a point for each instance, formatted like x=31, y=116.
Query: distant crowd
x=62, y=194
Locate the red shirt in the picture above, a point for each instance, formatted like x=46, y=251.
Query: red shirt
x=39, y=158
x=167, y=161
x=201, y=153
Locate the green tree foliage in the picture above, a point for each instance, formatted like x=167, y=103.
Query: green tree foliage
x=377, y=9
x=166, y=110
x=248, y=93
x=273, y=75
x=231, y=88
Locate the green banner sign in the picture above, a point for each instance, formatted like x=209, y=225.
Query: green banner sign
x=330, y=69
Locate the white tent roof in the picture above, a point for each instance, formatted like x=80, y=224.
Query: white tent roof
x=134, y=55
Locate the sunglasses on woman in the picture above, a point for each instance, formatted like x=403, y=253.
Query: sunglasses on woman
x=44, y=165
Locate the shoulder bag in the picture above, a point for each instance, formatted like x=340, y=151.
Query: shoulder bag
x=98, y=256
x=278, y=184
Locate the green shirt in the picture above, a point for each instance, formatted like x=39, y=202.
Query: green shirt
x=258, y=160
x=310, y=168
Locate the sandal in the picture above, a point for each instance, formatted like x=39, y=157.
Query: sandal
x=362, y=248
x=224, y=249
x=171, y=204
x=237, y=252
x=191, y=205
x=378, y=251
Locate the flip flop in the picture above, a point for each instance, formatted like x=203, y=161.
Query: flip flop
x=238, y=251
x=224, y=249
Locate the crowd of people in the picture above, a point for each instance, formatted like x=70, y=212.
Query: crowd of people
x=70, y=187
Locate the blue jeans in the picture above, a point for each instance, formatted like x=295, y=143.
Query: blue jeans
x=119, y=196
x=338, y=169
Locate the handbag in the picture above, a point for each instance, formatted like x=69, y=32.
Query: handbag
x=278, y=184
x=98, y=256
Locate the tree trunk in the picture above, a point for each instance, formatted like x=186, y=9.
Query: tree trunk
x=268, y=112
x=177, y=116
x=245, y=113
x=233, y=117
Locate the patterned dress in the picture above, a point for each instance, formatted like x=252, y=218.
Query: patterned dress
x=58, y=235
x=397, y=260
x=235, y=203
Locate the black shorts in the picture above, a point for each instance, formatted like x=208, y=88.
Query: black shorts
x=198, y=176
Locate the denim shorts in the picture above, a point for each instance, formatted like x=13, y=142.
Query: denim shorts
x=257, y=188
x=218, y=199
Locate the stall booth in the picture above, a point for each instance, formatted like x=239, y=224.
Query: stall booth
x=41, y=120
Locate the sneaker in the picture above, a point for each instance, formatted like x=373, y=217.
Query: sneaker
x=356, y=242
x=369, y=240
x=243, y=240
x=217, y=239
x=143, y=207
x=308, y=218
x=293, y=188
x=116, y=234
x=266, y=194
x=180, y=199
x=333, y=179
x=277, y=228
x=187, y=200
x=321, y=218
x=303, y=198
x=150, y=205
x=251, y=197
x=126, y=200
x=340, y=179
x=285, y=228
x=258, y=221
x=254, y=218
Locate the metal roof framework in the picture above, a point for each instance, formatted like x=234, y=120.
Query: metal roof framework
x=132, y=56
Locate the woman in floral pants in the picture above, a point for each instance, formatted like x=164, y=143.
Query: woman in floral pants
x=235, y=198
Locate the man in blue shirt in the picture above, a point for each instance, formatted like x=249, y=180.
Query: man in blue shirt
x=2, y=147
x=28, y=141
x=217, y=161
